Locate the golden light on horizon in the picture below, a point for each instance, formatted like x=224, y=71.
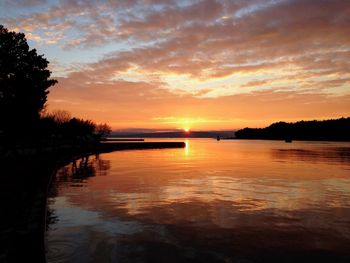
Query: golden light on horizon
x=185, y=123
x=203, y=79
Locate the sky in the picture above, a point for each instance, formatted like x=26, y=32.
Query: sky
x=189, y=64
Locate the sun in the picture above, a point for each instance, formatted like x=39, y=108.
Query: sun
x=187, y=129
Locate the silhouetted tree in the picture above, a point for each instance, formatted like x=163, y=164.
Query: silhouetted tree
x=59, y=116
x=103, y=130
x=24, y=83
x=78, y=128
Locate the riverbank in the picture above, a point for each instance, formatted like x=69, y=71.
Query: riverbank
x=25, y=179
x=92, y=148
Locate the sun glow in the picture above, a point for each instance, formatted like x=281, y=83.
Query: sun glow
x=187, y=129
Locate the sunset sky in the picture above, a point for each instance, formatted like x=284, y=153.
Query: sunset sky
x=202, y=65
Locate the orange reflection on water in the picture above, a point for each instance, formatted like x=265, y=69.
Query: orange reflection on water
x=250, y=176
x=225, y=195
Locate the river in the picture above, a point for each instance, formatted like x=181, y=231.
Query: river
x=213, y=201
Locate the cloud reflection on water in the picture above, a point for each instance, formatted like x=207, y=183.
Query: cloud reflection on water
x=198, y=199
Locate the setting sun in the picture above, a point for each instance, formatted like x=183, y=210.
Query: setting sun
x=190, y=129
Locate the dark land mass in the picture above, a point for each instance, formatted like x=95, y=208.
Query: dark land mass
x=175, y=134
x=326, y=130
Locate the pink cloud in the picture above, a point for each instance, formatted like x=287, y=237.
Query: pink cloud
x=297, y=49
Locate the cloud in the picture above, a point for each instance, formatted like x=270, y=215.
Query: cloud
x=140, y=104
x=25, y=3
x=198, y=59
x=203, y=45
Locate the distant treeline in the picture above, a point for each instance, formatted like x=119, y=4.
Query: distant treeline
x=176, y=134
x=326, y=130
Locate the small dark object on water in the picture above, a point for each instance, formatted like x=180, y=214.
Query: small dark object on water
x=218, y=138
x=288, y=140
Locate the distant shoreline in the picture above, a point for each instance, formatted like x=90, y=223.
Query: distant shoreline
x=326, y=130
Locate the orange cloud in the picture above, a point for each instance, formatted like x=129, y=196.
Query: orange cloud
x=239, y=62
x=133, y=105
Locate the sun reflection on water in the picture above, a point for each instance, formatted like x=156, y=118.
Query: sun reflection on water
x=187, y=147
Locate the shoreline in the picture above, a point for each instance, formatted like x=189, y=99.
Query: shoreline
x=26, y=180
x=90, y=148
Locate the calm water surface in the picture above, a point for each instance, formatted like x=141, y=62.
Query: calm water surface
x=226, y=201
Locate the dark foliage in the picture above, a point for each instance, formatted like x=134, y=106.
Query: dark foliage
x=332, y=130
x=78, y=127
x=71, y=130
x=24, y=83
x=103, y=130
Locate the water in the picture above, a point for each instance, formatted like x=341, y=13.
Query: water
x=226, y=201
